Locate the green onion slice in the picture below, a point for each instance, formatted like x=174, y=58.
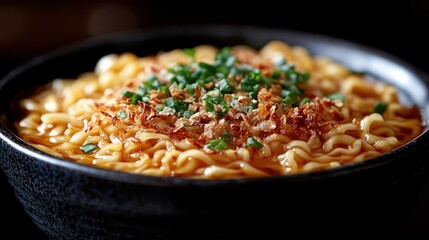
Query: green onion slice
x=380, y=107
x=217, y=144
x=122, y=114
x=252, y=142
x=88, y=148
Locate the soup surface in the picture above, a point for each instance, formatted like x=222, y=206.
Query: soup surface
x=208, y=112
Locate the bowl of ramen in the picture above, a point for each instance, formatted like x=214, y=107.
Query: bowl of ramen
x=214, y=132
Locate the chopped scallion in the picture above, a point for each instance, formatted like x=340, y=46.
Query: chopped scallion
x=122, y=114
x=190, y=88
x=178, y=106
x=207, y=67
x=304, y=101
x=88, y=148
x=338, y=96
x=252, y=142
x=135, y=99
x=127, y=94
x=215, y=99
x=289, y=101
x=217, y=144
x=225, y=86
x=357, y=72
x=160, y=107
x=380, y=107
x=164, y=89
x=275, y=74
x=190, y=52
x=188, y=113
x=226, y=136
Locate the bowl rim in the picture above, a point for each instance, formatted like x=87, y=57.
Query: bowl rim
x=11, y=139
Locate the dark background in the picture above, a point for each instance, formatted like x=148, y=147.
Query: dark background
x=30, y=28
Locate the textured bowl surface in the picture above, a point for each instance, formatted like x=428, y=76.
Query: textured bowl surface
x=72, y=201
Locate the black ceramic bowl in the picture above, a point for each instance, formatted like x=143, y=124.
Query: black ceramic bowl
x=67, y=200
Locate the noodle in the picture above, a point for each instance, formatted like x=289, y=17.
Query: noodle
x=218, y=113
